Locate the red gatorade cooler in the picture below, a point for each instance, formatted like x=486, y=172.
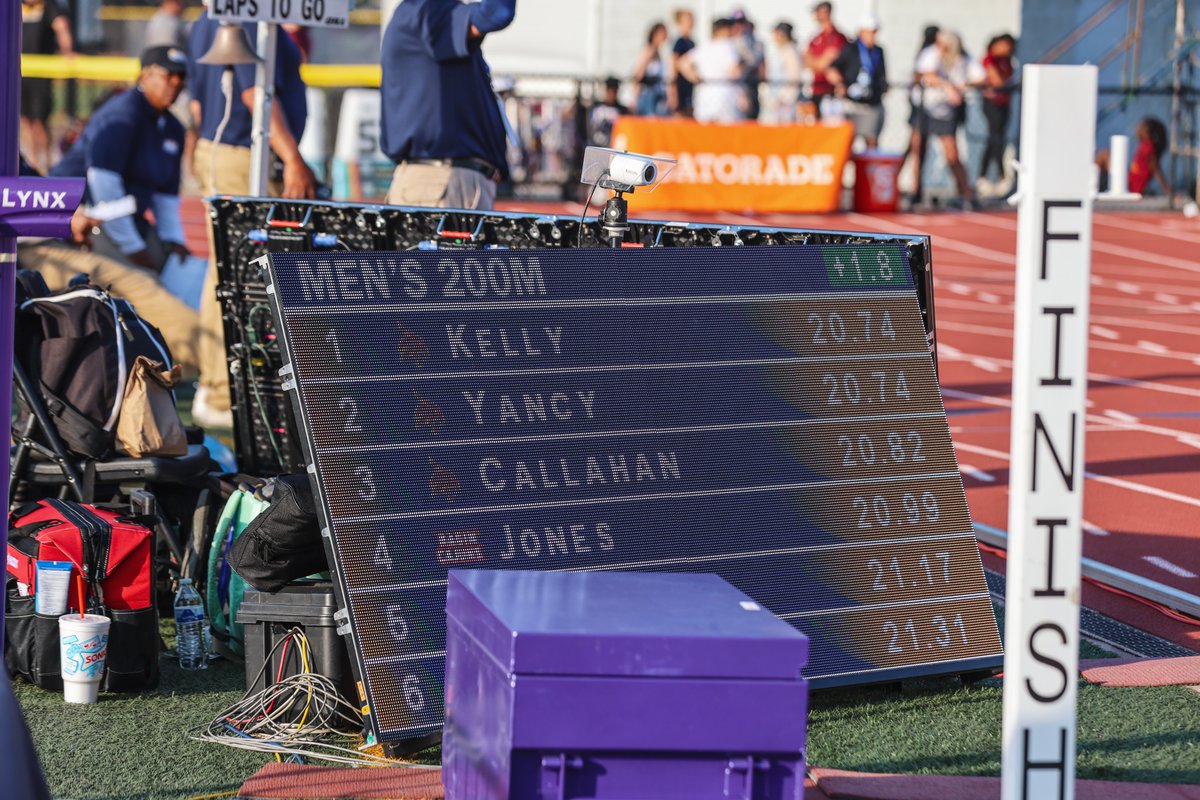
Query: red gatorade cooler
x=876, y=181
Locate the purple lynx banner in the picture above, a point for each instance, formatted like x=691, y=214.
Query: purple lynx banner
x=38, y=206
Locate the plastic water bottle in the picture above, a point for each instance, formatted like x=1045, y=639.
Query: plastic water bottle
x=191, y=643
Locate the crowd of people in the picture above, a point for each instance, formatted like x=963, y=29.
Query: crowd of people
x=735, y=76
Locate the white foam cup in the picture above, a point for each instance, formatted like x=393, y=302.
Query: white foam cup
x=82, y=647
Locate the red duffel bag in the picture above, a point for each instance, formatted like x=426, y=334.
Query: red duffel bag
x=113, y=553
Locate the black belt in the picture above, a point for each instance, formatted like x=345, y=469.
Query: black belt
x=487, y=170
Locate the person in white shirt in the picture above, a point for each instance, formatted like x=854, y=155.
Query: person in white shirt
x=946, y=73
x=785, y=71
x=716, y=70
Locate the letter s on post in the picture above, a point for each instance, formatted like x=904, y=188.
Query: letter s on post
x=1048, y=661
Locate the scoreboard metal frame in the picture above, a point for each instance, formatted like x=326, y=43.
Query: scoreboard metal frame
x=822, y=322
x=265, y=429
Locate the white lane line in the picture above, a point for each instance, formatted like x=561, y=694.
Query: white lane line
x=1094, y=530
x=969, y=471
x=1183, y=437
x=1009, y=259
x=1169, y=299
x=989, y=298
x=959, y=288
x=1003, y=333
x=1105, y=333
x=1144, y=256
x=1120, y=416
x=939, y=241
x=1162, y=494
x=985, y=364
x=1005, y=223
x=1153, y=347
x=1174, y=569
x=1128, y=288
x=1188, y=290
x=1125, y=225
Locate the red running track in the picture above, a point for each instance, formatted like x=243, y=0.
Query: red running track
x=1142, y=493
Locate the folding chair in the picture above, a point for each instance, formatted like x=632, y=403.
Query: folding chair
x=42, y=466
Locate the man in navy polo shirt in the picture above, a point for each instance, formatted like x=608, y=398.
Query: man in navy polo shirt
x=222, y=166
x=133, y=146
x=442, y=123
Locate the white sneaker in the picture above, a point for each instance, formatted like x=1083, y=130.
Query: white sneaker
x=984, y=188
x=205, y=415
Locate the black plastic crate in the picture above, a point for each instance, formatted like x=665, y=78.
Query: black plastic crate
x=267, y=618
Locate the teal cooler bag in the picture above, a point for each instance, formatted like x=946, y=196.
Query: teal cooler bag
x=226, y=587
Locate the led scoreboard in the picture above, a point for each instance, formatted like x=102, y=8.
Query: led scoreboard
x=767, y=414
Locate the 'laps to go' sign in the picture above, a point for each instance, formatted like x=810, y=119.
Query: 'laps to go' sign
x=312, y=13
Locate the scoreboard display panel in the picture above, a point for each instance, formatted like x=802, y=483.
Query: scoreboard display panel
x=771, y=415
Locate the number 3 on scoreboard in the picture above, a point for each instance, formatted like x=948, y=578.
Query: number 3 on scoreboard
x=367, y=490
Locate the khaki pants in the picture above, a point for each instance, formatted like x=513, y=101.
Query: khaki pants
x=59, y=263
x=440, y=186
x=223, y=169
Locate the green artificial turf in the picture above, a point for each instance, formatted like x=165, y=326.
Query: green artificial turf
x=936, y=727
x=135, y=747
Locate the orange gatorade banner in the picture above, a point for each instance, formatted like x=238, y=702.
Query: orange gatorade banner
x=742, y=167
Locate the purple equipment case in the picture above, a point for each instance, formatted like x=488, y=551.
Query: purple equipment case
x=619, y=685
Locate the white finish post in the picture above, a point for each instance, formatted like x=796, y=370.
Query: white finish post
x=264, y=95
x=1054, y=237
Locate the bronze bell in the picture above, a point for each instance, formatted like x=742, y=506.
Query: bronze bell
x=230, y=47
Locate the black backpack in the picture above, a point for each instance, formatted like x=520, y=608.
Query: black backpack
x=283, y=542
x=77, y=346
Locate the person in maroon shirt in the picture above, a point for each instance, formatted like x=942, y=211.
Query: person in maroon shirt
x=997, y=102
x=822, y=51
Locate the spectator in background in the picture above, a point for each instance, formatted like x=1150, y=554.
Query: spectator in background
x=822, y=50
x=44, y=28
x=650, y=74
x=1151, y=138
x=222, y=166
x=753, y=60
x=859, y=75
x=716, y=70
x=167, y=28
x=603, y=115
x=133, y=146
x=680, y=90
x=946, y=72
x=997, y=106
x=917, y=121
x=785, y=72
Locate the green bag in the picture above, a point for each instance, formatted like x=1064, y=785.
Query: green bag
x=226, y=587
